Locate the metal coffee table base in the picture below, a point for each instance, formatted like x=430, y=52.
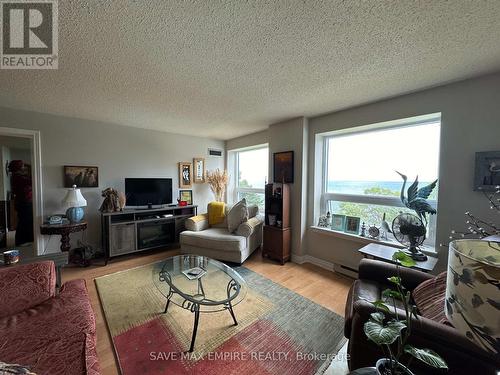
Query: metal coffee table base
x=195, y=308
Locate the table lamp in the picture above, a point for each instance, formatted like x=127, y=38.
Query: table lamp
x=472, y=295
x=74, y=200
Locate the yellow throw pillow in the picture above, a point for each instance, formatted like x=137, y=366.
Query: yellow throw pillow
x=216, y=212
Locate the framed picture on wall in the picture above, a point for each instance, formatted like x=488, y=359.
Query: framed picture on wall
x=186, y=195
x=185, y=175
x=81, y=176
x=283, y=167
x=199, y=170
x=487, y=173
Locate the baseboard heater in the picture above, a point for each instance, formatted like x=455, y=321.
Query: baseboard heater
x=344, y=270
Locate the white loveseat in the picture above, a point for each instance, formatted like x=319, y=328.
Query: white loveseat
x=217, y=242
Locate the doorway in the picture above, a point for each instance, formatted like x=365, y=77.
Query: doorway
x=20, y=191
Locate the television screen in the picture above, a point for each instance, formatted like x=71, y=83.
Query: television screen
x=146, y=191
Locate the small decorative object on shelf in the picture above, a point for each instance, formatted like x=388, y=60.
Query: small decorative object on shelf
x=338, y=222
x=186, y=195
x=325, y=221
x=363, y=230
x=217, y=180
x=472, y=295
x=374, y=232
x=10, y=257
x=352, y=224
x=385, y=228
x=111, y=202
x=74, y=201
x=122, y=200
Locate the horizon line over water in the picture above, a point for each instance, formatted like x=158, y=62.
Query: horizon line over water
x=359, y=187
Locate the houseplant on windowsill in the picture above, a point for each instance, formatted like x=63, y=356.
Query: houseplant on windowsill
x=392, y=335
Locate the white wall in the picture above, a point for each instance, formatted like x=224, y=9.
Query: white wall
x=118, y=151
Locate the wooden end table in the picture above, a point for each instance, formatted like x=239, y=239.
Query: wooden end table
x=383, y=252
x=63, y=230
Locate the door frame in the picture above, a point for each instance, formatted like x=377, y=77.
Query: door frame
x=36, y=179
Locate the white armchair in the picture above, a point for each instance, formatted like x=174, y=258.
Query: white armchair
x=217, y=242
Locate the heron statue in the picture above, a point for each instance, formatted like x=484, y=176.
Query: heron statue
x=416, y=199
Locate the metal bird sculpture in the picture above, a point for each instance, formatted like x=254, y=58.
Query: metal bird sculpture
x=416, y=199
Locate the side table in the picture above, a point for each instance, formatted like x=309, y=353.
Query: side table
x=382, y=252
x=64, y=230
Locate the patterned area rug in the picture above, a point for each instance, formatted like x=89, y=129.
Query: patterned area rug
x=278, y=331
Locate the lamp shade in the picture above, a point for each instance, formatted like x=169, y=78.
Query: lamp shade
x=74, y=198
x=472, y=294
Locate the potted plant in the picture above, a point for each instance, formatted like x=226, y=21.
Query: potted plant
x=392, y=335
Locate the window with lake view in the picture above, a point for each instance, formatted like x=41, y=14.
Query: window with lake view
x=251, y=168
x=360, y=177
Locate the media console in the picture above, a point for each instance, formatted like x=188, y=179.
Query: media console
x=135, y=230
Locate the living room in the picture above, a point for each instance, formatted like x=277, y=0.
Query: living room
x=227, y=187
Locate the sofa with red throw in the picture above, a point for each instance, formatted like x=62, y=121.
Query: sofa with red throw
x=48, y=332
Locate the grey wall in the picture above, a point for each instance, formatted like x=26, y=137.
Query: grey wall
x=470, y=122
x=118, y=151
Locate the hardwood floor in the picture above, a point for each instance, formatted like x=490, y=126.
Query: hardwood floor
x=321, y=286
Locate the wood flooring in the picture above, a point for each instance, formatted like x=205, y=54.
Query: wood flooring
x=324, y=287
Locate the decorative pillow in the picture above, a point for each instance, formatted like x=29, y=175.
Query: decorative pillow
x=197, y=223
x=6, y=368
x=216, y=212
x=246, y=229
x=253, y=210
x=429, y=297
x=237, y=215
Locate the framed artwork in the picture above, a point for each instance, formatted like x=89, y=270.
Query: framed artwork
x=283, y=167
x=352, y=224
x=199, y=170
x=186, y=195
x=487, y=173
x=338, y=222
x=81, y=176
x=185, y=174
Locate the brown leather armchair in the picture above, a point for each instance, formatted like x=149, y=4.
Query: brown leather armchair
x=461, y=355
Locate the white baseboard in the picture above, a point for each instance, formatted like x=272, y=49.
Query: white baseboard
x=337, y=268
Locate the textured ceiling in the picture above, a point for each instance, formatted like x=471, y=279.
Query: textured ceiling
x=227, y=68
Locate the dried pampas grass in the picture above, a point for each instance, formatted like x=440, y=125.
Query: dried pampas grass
x=218, y=180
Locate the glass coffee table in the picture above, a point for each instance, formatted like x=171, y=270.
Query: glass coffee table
x=219, y=288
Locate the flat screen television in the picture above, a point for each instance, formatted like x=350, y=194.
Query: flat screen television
x=148, y=191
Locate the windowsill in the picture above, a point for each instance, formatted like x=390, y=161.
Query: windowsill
x=367, y=240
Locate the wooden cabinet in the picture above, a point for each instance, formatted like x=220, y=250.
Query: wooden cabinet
x=277, y=231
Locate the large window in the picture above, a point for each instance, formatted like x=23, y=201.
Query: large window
x=360, y=177
x=251, y=168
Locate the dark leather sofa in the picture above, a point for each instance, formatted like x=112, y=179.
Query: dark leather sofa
x=461, y=355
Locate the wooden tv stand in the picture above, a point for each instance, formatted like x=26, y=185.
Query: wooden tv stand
x=135, y=230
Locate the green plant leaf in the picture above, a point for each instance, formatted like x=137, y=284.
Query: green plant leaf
x=427, y=356
x=378, y=317
x=403, y=258
x=380, y=334
x=395, y=280
x=389, y=293
x=380, y=305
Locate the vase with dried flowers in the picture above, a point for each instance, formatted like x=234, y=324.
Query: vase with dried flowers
x=218, y=180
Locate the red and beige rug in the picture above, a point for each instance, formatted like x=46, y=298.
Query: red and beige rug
x=278, y=332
